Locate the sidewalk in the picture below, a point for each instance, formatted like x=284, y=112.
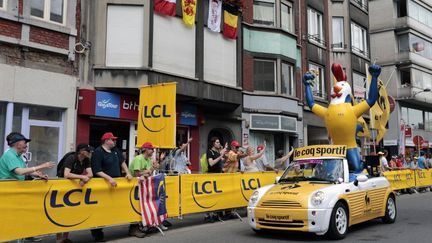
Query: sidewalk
x=119, y=233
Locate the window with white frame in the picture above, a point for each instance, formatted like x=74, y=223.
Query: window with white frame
x=286, y=16
x=264, y=75
x=338, y=33
x=264, y=12
x=287, y=79
x=318, y=88
x=413, y=117
x=49, y=10
x=359, y=86
x=359, y=39
x=315, y=26
x=268, y=12
x=3, y=4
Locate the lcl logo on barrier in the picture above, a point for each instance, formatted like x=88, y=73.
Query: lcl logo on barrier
x=249, y=185
x=203, y=189
x=152, y=112
x=54, y=202
x=134, y=199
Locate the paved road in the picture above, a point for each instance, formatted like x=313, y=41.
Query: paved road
x=414, y=224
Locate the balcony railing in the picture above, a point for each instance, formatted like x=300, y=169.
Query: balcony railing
x=362, y=4
x=317, y=38
x=360, y=51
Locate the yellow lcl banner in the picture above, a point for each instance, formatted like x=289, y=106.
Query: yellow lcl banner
x=210, y=192
x=32, y=208
x=157, y=115
x=401, y=179
x=320, y=151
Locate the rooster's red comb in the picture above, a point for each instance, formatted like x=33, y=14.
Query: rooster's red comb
x=338, y=72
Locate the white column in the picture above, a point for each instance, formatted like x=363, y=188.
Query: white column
x=9, y=121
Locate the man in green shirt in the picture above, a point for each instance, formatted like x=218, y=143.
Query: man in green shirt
x=142, y=165
x=13, y=166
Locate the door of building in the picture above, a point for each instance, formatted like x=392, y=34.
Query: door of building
x=46, y=140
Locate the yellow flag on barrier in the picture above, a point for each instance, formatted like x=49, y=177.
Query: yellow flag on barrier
x=157, y=115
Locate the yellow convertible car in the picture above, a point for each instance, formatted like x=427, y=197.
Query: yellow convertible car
x=315, y=195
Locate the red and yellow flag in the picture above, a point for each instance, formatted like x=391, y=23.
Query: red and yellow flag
x=230, y=21
x=189, y=11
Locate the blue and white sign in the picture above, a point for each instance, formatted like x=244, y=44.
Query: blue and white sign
x=107, y=104
x=188, y=115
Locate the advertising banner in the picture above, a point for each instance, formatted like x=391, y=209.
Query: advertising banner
x=32, y=208
x=157, y=115
x=401, y=179
x=423, y=178
x=320, y=151
x=210, y=192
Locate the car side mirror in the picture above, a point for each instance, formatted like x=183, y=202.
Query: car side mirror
x=277, y=179
x=360, y=178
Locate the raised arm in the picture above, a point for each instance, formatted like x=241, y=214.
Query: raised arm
x=375, y=71
x=307, y=79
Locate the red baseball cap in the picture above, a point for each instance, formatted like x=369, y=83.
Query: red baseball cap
x=108, y=135
x=234, y=143
x=147, y=145
x=260, y=147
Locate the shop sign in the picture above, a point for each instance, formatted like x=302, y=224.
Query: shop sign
x=116, y=106
x=107, y=104
x=187, y=115
x=273, y=122
x=288, y=124
x=264, y=122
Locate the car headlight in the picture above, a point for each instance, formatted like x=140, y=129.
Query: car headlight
x=254, y=199
x=317, y=198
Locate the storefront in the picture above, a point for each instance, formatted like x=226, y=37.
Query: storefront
x=277, y=131
x=44, y=125
x=101, y=111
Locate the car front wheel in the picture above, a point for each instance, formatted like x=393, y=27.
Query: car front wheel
x=338, y=226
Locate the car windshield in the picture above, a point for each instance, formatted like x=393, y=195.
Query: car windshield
x=327, y=170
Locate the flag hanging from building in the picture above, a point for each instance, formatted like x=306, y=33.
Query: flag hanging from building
x=214, y=15
x=402, y=138
x=152, y=197
x=188, y=12
x=230, y=21
x=157, y=115
x=165, y=7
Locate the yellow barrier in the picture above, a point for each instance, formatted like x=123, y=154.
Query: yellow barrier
x=423, y=177
x=210, y=192
x=32, y=208
x=37, y=207
x=401, y=179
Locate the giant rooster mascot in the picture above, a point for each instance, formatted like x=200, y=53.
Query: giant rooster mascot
x=341, y=116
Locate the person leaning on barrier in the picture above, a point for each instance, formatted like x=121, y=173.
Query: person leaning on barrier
x=106, y=162
x=384, y=165
x=12, y=164
x=180, y=159
x=76, y=166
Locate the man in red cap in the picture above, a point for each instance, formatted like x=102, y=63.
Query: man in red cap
x=232, y=164
x=106, y=162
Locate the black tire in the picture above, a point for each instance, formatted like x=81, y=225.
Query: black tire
x=258, y=231
x=338, y=226
x=390, y=211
